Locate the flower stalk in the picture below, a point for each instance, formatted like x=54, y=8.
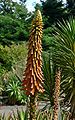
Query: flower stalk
x=33, y=76
x=56, y=94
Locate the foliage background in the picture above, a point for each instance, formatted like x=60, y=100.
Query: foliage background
x=15, y=23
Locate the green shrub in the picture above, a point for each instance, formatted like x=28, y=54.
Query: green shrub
x=47, y=38
x=11, y=55
x=12, y=58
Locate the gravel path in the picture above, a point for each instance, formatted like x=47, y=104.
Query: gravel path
x=9, y=109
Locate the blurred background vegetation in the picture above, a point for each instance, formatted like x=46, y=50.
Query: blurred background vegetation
x=15, y=23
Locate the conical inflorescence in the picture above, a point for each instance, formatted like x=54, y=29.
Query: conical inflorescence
x=33, y=77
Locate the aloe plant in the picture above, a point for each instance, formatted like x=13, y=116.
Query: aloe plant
x=4, y=117
x=14, y=92
x=33, y=77
x=40, y=115
x=44, y=115
x=21, y=115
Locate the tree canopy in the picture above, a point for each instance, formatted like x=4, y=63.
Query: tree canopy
x=14, y=19
x=53, y=10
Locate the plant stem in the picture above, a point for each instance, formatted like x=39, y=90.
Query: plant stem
x=33, y=100
x=56, y=94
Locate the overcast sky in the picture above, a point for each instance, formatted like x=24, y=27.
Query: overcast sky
x=31, y=3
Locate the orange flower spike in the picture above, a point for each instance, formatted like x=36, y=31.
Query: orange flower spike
x=33, y=80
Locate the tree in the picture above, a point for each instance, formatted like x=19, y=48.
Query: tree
x=71, y=7
x=12, y=30
x=6, y=7
x=14, y=22
x=53, y=10
x=23, y=1
x=38, y=7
